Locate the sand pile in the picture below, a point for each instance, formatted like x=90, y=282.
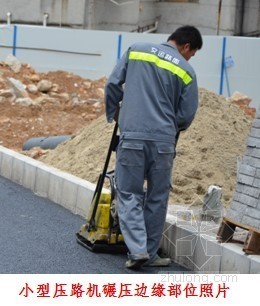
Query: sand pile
x=85, y=154
x=207, y=152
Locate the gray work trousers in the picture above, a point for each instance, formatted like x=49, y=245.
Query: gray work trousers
x=142, y=215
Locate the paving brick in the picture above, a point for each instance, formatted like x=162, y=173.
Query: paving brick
x=7, y=159
x=84, y=197
x=245, y=179
x=29, y=176
x=185, y=245
x=70, y=191
x=253, y=152
x=55, y=187
x=239, y=207
x=256, y=183
x=253, y=142
x=233, y=259
x=256, y=124
x=207, y=255
x=69, y=195
x=234, y=215
x=257, y=175
x=168, y=241
x=251, y=191
x=6, y=165
x=252, y=161
x=42, y=179
x=245, y=199
x=255, y=264
x=254, y=132
x=247, y=170
x=255, y=223
x=18, y=170
x=253, y=213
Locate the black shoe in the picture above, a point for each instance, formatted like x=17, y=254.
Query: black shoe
x=135, y=264
x=159, y=262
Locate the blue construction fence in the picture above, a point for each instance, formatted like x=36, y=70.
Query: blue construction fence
x=224, y=65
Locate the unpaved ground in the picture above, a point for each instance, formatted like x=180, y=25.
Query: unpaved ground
x=206, y=154
x=66, y=108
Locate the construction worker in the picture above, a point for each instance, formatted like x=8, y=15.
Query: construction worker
x=159, y=94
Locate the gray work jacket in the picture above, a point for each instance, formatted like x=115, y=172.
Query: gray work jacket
x=159, y=96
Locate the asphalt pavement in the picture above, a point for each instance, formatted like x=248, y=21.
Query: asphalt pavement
x=37, y=236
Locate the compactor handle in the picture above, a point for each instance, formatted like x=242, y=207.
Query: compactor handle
x=102, y=176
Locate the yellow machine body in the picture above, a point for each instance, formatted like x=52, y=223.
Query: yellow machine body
x=102, y=231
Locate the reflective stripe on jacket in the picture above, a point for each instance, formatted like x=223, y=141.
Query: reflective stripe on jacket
x=160, y=95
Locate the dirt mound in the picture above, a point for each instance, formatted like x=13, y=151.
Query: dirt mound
x=85, y=154
x=44, y=104
x=207, y=152
x=243, y=102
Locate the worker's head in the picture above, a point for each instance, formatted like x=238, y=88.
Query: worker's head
x=187, y=40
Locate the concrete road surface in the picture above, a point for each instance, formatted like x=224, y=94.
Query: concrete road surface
x=38, y=236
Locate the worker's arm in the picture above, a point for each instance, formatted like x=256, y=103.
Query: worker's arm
x=114, y=88
x=188, y=105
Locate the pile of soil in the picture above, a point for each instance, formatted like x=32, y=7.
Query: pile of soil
x=207, y=153
x=66, y=105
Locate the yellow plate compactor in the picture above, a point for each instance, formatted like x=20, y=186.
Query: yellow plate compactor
x=101, y=233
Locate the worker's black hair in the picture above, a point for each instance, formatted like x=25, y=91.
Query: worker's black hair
x=187, y=35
